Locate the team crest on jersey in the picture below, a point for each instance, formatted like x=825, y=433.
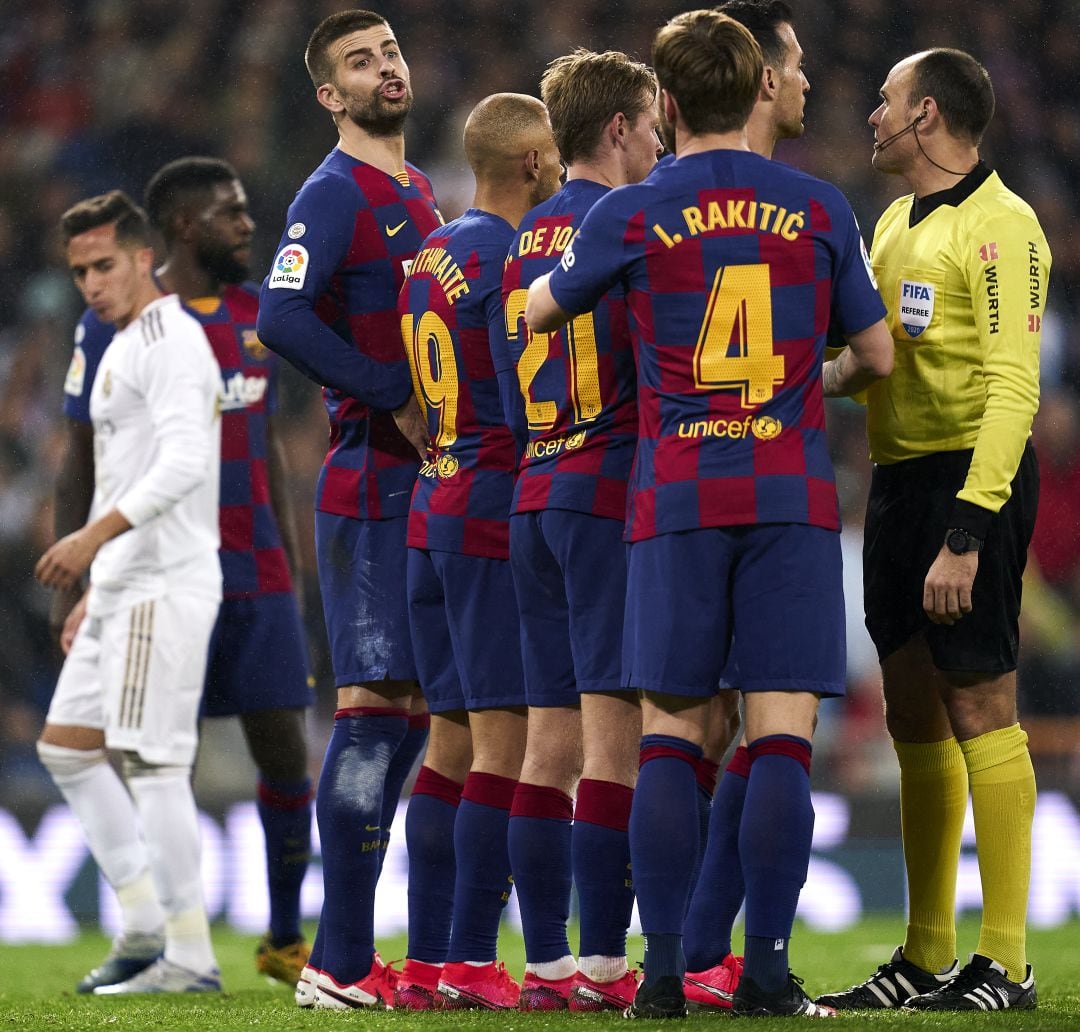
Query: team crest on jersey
x=76, y=373
x=447, y=466
x=916, y=306
x=765, y=428
x=253, y=346
x=290, y=268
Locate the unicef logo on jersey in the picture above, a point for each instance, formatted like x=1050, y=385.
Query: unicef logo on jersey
x=290, y=268
x=916, y=306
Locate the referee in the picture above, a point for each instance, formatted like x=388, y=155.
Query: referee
x=962, y=266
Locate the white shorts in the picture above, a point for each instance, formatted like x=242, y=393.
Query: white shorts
x=137, y=674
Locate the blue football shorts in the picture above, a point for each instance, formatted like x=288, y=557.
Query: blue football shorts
x=258, y=658
x=768, y=599
x=465, y=634
x=362, y=573
x=570, y=578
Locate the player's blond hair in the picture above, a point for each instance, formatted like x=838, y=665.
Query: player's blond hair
x=584, y=91
x=712, y=66
x=501, y=128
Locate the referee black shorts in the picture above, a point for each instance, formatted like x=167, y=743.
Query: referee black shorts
x=906, y=519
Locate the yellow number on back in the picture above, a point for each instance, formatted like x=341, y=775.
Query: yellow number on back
x=739, y=312
x=430, y=349
x=584, y=366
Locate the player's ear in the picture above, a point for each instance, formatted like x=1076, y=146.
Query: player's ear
x=770, y=83
x=532, y=164
x=670, y=106
x=618, y=127
x=327, y=96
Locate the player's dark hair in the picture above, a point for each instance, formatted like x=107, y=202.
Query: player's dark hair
x=112, y=208
x=960, y=85
x=712, y=66
x=584, y=91
x=317, y=58
x=173, y=185
x=763, y=18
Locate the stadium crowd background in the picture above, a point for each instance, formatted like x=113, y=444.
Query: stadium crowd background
x=96, y=94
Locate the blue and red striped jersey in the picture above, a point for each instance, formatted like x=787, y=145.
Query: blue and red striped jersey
x=578, y=383
x=253, y=561
x=329, y=305
x=454, y=333
x=733, y=265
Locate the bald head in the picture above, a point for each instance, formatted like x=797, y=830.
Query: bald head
x=502, y=128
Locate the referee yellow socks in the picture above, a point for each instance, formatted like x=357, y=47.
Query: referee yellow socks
x=933, y=800
x=1003, y=804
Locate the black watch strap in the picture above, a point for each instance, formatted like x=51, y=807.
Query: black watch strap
x=960, y=541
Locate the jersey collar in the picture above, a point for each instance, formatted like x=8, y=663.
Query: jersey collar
x=954, y=196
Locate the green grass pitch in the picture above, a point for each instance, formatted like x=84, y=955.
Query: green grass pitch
x=36, y=990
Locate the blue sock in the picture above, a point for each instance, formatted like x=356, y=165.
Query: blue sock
x=285, y=811
x=706, y=782
x=538, y=838
x=719, y=893
x=412, y=745
x=429, y=836
x=483, y=883
x=600, y=851
x=774, y=846
x=349, y=808
x=663, y=847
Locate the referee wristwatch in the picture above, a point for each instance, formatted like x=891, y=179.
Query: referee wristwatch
x=960, y=542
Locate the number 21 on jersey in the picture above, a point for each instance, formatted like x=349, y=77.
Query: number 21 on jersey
x=580, y=337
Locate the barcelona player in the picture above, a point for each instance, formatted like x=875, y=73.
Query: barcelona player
x=461, y=595
x=964, y=265
x=329, y=305
x=134, y=671
x=733, y=266
x=578, y=404
x=200, y=208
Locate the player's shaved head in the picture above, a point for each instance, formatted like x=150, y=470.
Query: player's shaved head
x=320, y=64
x=501, y=129
x=113, y=208
x=179, y=183
x=584, y=91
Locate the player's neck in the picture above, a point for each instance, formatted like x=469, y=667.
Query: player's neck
x=186, y=278
x=698, y=143
x=507, y=204
x=925, y=178
x=148, y=293
x=386, y=153
x=760, y=133
x=605, y=170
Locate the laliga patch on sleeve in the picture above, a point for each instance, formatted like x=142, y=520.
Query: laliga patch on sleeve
x=916, y=306
x=290, y=268
x=76, y=374
x=867, y=262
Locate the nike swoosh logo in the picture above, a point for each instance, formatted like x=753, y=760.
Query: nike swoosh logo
x=718, y=993
x=372, y=827
x=394, y=230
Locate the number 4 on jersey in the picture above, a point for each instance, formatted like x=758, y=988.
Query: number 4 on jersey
x=739, y=312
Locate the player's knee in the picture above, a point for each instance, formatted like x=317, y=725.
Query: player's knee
x=138, y=771
x=66, y=765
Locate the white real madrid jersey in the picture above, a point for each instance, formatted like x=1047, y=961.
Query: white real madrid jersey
x=157, y=439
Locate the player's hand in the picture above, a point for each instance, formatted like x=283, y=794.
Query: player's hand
x=73, y=622
x=947, y=588
x=413, y=426
x=63, y=564
x=63, y=602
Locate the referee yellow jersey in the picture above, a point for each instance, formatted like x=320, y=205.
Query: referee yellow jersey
x=963, y=274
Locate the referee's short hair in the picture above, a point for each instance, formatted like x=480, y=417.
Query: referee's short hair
x=960, y=85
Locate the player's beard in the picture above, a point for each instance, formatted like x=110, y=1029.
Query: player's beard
x=221, y=263
x=376, y=115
